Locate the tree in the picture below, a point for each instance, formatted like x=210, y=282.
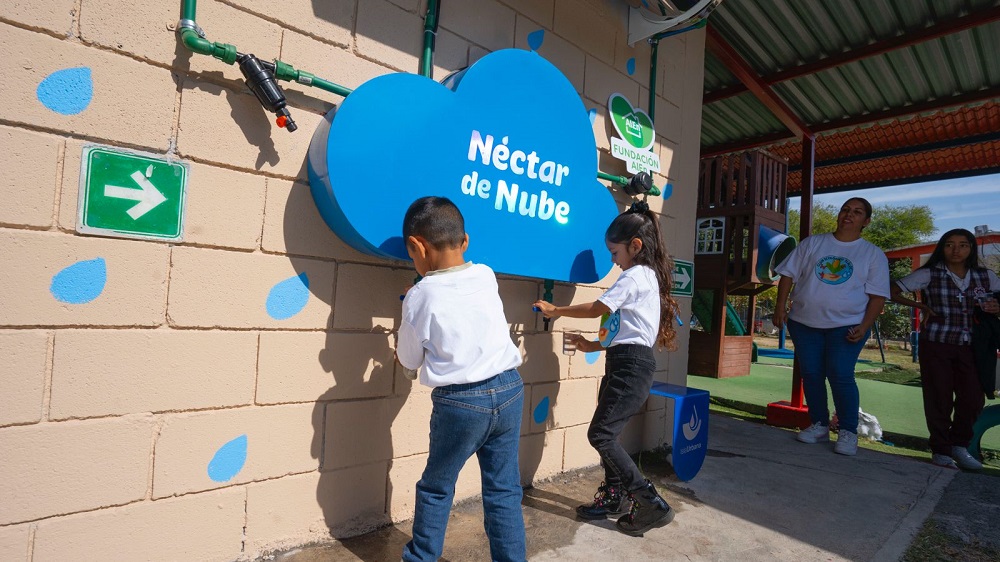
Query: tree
x=895, y=322
x=894, y=227
x=824, y=219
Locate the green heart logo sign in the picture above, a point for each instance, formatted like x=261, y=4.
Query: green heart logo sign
x=632, y=125
x=637, y=135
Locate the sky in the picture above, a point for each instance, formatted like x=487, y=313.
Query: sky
x=959, y=203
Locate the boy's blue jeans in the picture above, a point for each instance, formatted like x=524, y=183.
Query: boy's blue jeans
x=484, y=419
x=825, y=354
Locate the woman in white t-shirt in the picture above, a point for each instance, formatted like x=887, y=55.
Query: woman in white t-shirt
x=841, y=283
x=639, y=314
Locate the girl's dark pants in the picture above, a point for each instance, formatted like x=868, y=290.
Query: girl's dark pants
x=950, y=384
x=628, y=376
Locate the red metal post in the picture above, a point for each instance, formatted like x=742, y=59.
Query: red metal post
x=805, y=228
x=794, y=412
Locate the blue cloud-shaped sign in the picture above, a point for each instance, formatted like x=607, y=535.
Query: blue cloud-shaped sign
x=508, y=140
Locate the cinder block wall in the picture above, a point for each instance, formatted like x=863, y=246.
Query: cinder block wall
x=114, y=413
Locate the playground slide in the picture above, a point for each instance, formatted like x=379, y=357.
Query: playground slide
x=702, y=309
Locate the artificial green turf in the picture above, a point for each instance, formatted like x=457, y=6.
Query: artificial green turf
x=898, y=407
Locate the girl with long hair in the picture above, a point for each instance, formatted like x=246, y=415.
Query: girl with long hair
x=638, y=314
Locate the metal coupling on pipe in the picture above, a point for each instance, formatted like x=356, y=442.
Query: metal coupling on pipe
x=190, y=24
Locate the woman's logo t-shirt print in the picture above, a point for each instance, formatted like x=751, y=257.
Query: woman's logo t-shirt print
x=834, y=270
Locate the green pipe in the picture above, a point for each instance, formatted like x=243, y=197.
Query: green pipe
x=664, y=34
x=547, y=297
x=430, y=33
x=330, y=86
x=193, y=38
x=623, y=180
x=653, y=47
x=612, y=178
x=285, y=71
x=222, y=51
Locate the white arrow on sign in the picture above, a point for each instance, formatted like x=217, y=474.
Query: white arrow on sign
x=148, y=196
x=681, y=279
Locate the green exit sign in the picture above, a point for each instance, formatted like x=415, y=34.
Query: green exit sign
x=129, y=194
x=683, y=279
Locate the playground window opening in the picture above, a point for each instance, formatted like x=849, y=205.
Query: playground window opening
x=710, y=236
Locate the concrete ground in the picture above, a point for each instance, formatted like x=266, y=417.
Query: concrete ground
x=760, y=495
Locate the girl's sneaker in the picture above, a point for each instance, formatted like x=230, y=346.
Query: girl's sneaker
x=814, y=433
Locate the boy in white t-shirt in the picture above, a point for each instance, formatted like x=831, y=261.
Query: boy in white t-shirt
x=454, y=331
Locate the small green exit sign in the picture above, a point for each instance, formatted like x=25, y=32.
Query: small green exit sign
x=127, y=194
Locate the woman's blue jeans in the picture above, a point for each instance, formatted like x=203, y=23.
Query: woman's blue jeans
x=825, y=354
x=484, y=419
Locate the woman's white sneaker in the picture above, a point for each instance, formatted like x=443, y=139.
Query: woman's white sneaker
x=814, y=433
x=847, y=443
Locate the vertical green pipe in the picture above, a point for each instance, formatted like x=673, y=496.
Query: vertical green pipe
x=430, y=33
x=653, y=47
x=198, y=44
x=547, y=297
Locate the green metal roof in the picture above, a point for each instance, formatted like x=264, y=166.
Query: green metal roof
x=775, y=35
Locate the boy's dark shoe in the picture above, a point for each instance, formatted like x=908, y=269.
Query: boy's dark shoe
x=609, y=500
x=648, y=511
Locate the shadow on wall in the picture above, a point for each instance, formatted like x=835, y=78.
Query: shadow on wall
x=353, y=440
x=370, y=423
x=364, y=392
x=538, y=401
x=543, y=380
x=245, y=110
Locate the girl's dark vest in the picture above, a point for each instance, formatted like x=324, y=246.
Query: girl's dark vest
x=953, y=308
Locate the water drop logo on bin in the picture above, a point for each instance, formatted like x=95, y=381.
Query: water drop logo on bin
x=507, y=139
x=690, y=444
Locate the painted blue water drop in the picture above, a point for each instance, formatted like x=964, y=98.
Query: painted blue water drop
x=81, y=282
x=592, y=357
x=542, y=410
x=593, y=115
x=666, y=191
x=67, y=91
x=288, y=297
x=535, y=39
x=228, y=460
x=630, y=66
